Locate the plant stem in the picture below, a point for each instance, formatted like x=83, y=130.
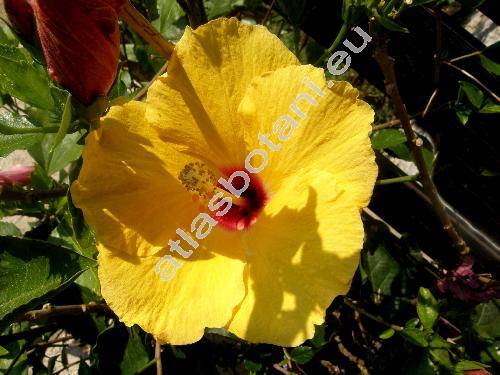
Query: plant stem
x=397, y=180
x=353, y=305
x=467, y=74
x=51, y=311
x=195, y=11
x=340, y=37
x=268, y=13
x=159, y=369
x=143, y=27
x=465, y=56
x=35, y=130
x=30, y=196
x=386, y=64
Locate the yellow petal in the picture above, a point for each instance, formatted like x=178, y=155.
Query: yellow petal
x=195, y=103
x=332, y=136
x=128, y=187
x=202, y=293
x=302, y=253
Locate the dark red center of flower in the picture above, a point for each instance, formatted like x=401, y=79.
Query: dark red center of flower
x=244, y=212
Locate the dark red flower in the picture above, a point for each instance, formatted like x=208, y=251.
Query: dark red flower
x=81, y=43
x=464, y=284
x=21, y=17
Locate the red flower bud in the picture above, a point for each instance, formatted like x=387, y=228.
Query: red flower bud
x=81, y=43
x=21, y=17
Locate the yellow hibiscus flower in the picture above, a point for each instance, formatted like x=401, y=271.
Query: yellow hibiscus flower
x=285, y=248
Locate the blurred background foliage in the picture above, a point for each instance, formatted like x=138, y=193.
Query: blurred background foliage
x=413, y=307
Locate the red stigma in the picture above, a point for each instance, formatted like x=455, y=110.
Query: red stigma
x=243, y=215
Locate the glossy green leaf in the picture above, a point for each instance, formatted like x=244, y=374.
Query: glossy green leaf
x=427, y=308
x=486, y=319
x=63, y=126
x=386, y=138
x=251, y=366
x=50, y=269
x=11, y=123
x=415, y=336
x=490, y=65
x=381, y=269
x=387, y=334
x=463, y=366
x=473, y=93
x=136, y=355
x=24, y=79
x=9, y=229
x=302, y=354
x=490, y=107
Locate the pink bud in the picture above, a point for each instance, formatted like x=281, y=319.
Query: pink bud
x=18, y=175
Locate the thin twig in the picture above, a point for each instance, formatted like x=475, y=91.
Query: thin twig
x=353, y=305
x=268, y=14
x=143, y=27
x=437, y=60
x=159, y=369
x=476, y=53
x=479, y=83
x=145, y=89
x=30, y=196
x=195, y=11
x=360, y=364
x=66, y=367
x=51, y=311
x=397, y=180
x=16, y=358
x=386, y=64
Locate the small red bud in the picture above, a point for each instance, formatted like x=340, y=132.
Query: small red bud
x=81, y=43
x=21, y=17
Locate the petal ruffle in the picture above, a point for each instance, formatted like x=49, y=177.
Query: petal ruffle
x=302, y=253
x=128, y=187
x=196, y=102
x=332, y=136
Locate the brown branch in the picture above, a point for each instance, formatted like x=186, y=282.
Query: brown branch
x=195, y=11
x=268, y=13
x=145, y=89
x=143, y=27
x=30, y=196
x=51, y=311
x=159, y=369
x=360, y=364
x=386, y=64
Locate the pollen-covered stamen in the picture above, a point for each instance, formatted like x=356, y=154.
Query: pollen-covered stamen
x=199, y=179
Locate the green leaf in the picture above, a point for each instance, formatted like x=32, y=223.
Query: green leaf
x=302, y=354
x=463, y=114
x=32, y=271
x=490, y=65
x=64, y=125
x=381, y=269
x=170, y=12
x=387, y=334
x=390, y=24
x=427, y=308
x=415, y=336
x=485, y=320
x=319, y=338
x=68, y=150
x=11, y=123
x=136, y=355
x=177, y=352
x=463, y=366
x=24, y=79
x=9, y=229
x=3, y=351
x=439, y=351
x=473, y=93
x=251, y=366
x=490, y=107
x=386, y=138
